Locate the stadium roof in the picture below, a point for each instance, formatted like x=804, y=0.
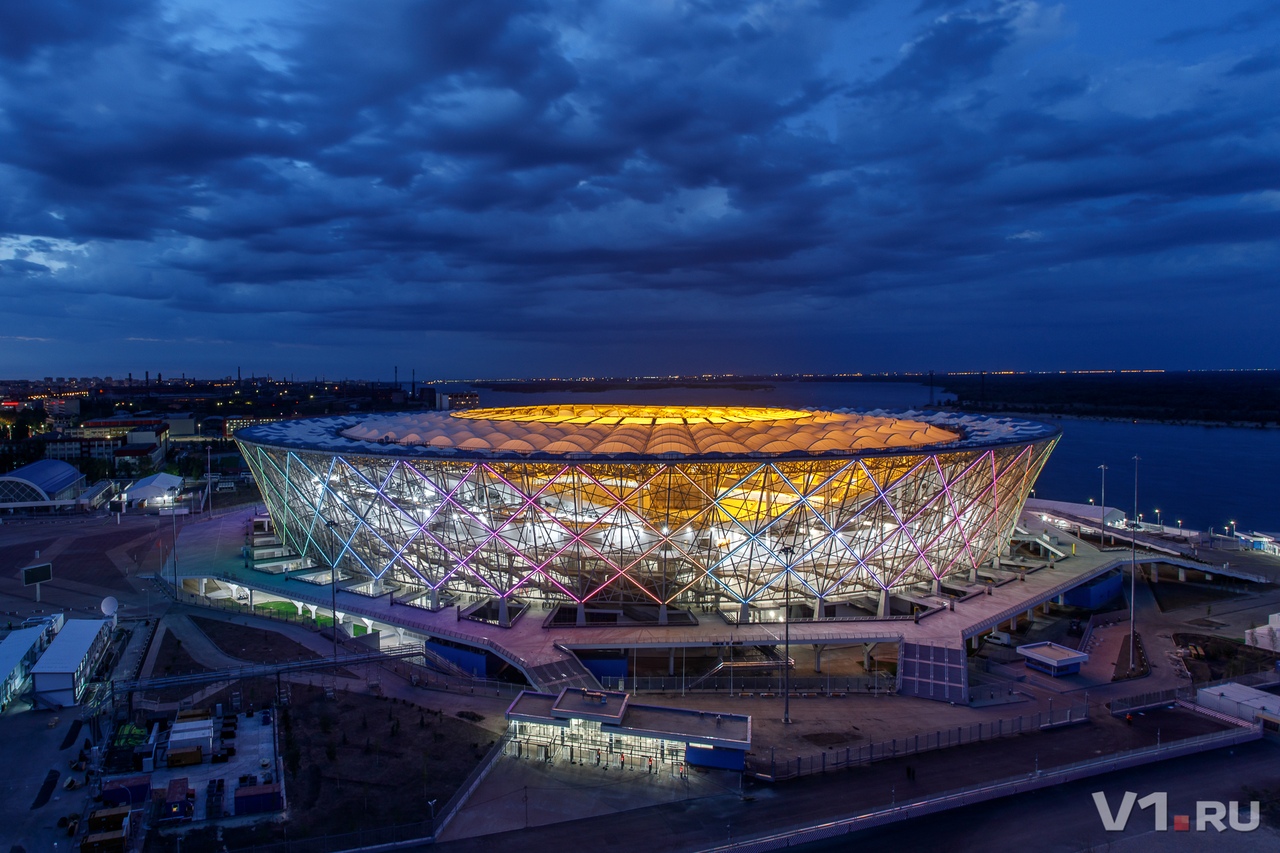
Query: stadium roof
x=630, y=432
x=49, y=476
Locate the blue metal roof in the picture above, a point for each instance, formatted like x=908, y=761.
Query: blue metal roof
x=48, y=475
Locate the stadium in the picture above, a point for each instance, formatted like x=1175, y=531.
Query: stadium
x=680, y=510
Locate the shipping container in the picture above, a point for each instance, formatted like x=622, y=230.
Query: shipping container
x=105, y=842
x=104, y=820
x=132, y=791
x=256, y=799
x=185, y=757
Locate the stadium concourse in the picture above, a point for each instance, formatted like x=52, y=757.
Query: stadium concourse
x=212, y=563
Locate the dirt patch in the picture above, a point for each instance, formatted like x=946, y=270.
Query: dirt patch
x=1210, y=658
x=173, y=659
x=360, y=762
x=1174, y=595
x=257, y=645
x=831, y=738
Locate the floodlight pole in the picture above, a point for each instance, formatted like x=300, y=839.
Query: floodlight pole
x=786, y=551
x=333, y=597
x=173, y=516
x=1133, y=566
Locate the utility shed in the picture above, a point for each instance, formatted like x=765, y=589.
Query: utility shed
x=59, y=677
x=18, y=652
x=1242, y=702
x=1052, y=658
x=604, y=726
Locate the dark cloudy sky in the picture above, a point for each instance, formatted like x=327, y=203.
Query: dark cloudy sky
x=501, y=188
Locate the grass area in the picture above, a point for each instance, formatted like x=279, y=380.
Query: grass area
x=284, y=608
x=359, y=762
x=287, y=609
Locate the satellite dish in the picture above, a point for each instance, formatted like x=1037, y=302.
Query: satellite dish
x=110, y=606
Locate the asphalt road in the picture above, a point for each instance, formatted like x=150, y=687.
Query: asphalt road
x=1064, y=819
x=767, y=809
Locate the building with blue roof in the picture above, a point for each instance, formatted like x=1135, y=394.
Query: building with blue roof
x=47, y=484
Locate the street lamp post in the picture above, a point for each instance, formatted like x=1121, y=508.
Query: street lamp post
x=208, y=476
x=1102, y=510
x=1159, y=521
x=786, y=551
x=1133, y=568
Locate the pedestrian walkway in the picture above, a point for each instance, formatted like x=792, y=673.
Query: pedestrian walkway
x=213, y=550
x=522, y=792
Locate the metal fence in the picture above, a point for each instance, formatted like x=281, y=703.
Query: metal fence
x=1261, y=679
x=764, y=685
x=804, y=765
x=346, y=841
x=1034, y=779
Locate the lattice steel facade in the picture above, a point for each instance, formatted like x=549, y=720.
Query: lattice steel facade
x=685, y=529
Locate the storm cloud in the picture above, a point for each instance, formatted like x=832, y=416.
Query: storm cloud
x=504, y=188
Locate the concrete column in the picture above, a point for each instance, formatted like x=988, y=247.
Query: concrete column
x=1031, y=614
x=435, y=598
x=368, y=624
x=883, y=610
x=1182, y=574
x=744, y=615
x=1155, y=573
x=662, y=614
x=1062, y=600
x=995, y=562
x=866, y=656
x=312, y=608
x=817, y=658
x=297, y=604
x=203, y=582
x=504, y=618
x=1046, y=608
x=819, y=607
x=973, y=574
x=671, y=661
x=339, y=616
x=1013, y=624
x=400, y=635
x=581, y=618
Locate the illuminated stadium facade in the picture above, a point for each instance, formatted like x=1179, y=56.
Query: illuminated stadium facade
x=695, y=508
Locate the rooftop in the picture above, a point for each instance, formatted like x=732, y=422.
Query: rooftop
x=68, y=649
x=614, y=710
x=638, y=432
x=48, y=475
x=1052, y=653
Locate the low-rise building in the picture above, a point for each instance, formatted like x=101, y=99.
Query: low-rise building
x=59, y=678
